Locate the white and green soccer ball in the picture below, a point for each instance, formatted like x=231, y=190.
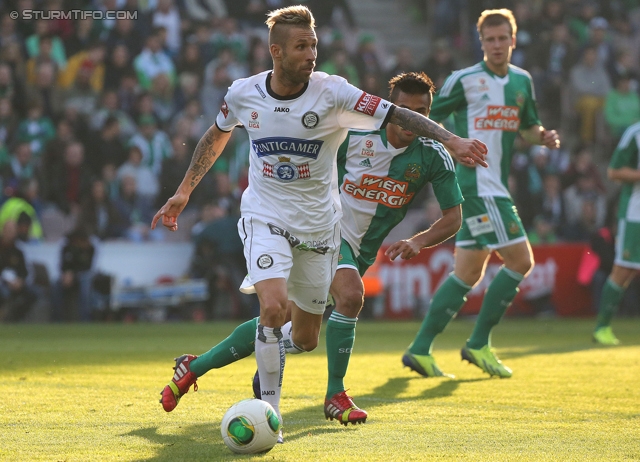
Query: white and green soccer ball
x=250, y=426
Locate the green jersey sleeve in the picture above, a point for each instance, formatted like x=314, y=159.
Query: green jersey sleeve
x=529, y=111
x=443, y=178
x=626, y=153
x=448, y=99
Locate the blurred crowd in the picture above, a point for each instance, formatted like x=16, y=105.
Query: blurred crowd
x=99, y=118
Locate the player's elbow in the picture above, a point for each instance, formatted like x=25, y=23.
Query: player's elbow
x=454, y=219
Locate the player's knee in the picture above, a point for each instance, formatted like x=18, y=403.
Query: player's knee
x=306, y=339
x=350, y=303
x=272, y=312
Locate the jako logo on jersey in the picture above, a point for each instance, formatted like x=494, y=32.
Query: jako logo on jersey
x=505, y=118
x=367, y=104
x=383, y=190
x=281, y=109
x=224, y=109
x=277, y=145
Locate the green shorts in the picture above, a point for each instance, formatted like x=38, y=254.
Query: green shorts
x=627, y=244
x=489, y=223
x=348, y=259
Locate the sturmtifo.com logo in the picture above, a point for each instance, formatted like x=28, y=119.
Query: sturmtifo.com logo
x=73, y=14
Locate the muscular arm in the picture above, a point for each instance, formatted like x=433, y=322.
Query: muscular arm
x=439, y=232
x=207, y=151
x=468, y=152
x=625, y=174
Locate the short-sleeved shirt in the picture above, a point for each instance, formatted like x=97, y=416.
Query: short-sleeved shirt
x=491, y=109
x=294, y=141
x=378, y=182
x=626, y=155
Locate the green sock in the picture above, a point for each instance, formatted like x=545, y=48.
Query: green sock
x=445, y=304
x=501, y=292
x=612, y=295
x=238, y=345
x=341, y=335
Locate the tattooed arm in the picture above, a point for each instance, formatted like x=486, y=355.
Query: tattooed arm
x=468, y=152
x=207, y=151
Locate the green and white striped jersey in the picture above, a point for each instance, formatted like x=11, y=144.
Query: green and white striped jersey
x=626, y=155
x=491, y=109
x=378, y=182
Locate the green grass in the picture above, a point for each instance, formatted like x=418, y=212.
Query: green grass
x=90, y=392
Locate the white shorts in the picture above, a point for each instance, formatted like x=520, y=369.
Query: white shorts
x=306, y=261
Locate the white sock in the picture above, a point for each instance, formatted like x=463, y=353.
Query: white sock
x=290, y=347
x=270, y=358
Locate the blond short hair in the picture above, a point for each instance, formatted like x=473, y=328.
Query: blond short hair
x=496, y=18
x=296, y=15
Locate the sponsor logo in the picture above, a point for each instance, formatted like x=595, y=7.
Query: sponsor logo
x=310, y=119
x=369, y=144
x=368, y=150
x=345, y=350
x=412, y=173
x=265, y=261
x=277, y=145
x=254, y=122
x=482, y=84
x=268, y=392
x=367, y=104
x=281, y=109
x=365, y=163
x=234, y=352
x=224, y=109
x=286, y=171
x=485, y=97
x=505, y=118
x=254, y=115
x=320, y=247
x=383, y=190
x=479, y=224
x=260, y=91
x=385, y=105
x=315, y=301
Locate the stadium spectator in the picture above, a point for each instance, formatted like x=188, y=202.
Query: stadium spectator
x=73, y=292
x=584, y=205
x=172, y=168
x=86, y=32
x=621, y=106
x=88, y=65
x=227, y=35
x=366, y=58
x=125, y=34
x=44, y=88
x=44, y=56
x=136, y=210
x=440, y=63
x=8, y=124
x=553, y=203
x=190, y=60
x=69, y=184
x=118, y=66
x=163, y=98
x=37, y=129
x=23, y=228
x=109, y=149
x=153, y=61
x=16, y=294
x=543, y=231
x=98, y=214
x=81, y=95
x=21, y=167
x=167, y=16
x=590, y=84
x=154, y=144
x=110, y=107
x=340, y=64
x=213, y=91
x=55, y=47
x=24, y=201
x=582, y=163
x=226, y=59
x=259, y=59
x=404, y=62
x=146, y=181
x=599, y=39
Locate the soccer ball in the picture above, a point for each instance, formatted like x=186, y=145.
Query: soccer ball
x=250, y=426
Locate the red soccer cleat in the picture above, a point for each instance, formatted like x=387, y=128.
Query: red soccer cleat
x=342, y=408
x=180, y=383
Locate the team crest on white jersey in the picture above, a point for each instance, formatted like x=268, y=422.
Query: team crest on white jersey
x=310, y=119
x=286, y=171
x=368, y=150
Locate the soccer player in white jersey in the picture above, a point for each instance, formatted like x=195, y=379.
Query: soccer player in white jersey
x=296, y=119
x=624, y=167
x=492, y=101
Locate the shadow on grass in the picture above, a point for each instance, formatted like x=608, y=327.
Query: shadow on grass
x=202, y=441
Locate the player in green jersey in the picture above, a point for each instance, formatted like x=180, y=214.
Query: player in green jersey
x=379, y=173
x=492, y=101
x=624, y=167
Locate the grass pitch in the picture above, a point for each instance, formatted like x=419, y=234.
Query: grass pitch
x=90, y=392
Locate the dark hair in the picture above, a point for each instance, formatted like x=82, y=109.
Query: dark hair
x=412, y=83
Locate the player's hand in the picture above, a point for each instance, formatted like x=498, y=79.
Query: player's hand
x=405, y=249
x=469, y=153
x=550, y=139
x=170, y=211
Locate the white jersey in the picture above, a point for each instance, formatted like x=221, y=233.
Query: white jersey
x=294, y=141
